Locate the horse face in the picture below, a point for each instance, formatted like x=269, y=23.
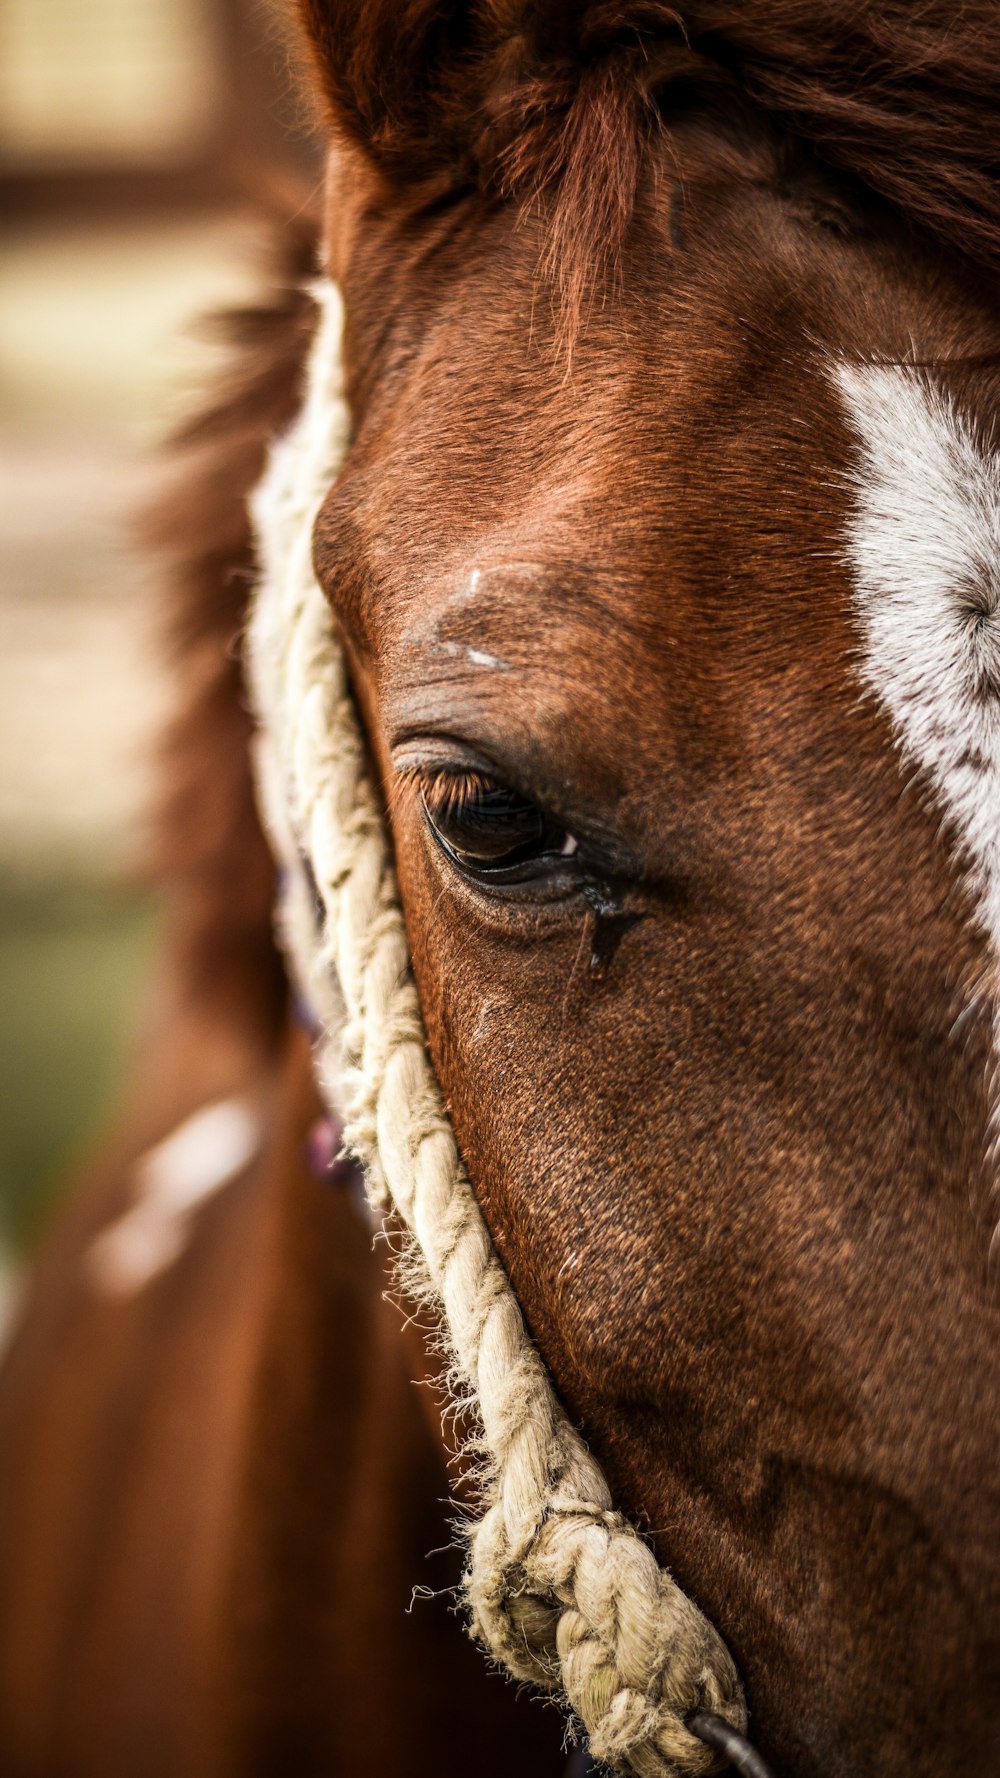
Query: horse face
x=702, y=965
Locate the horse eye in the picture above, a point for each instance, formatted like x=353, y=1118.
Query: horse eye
x=485, y=826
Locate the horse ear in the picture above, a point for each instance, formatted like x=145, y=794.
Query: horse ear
x=400, y=77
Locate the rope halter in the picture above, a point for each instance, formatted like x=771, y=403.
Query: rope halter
x=560, y=1588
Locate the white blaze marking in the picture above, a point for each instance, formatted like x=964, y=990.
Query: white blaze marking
x=924, y=545
x=171, y=1181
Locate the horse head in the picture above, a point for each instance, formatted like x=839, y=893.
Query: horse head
x=665, y=556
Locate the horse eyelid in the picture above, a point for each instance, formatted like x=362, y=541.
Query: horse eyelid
x=586, y=842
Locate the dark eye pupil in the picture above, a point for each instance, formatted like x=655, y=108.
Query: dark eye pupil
x=483, y=822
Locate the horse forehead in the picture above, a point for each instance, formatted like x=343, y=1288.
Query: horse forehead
x=502, y=612
x=628, y=516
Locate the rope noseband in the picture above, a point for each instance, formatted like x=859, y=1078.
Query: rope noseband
x=560, y=1588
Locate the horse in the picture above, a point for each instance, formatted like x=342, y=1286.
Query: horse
x=664, y=558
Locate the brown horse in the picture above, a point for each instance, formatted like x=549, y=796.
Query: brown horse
x=666, y=557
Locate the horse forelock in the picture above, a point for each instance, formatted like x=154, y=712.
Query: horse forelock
x=557, y=103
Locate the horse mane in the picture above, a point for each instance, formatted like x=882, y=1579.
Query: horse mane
x=209, y=852
x=560, y=96
x=902, y=96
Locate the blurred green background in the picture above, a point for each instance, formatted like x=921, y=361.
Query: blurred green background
x=73, y=955
x=132, y=137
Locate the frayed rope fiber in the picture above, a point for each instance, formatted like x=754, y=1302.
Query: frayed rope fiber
x=561, y=1590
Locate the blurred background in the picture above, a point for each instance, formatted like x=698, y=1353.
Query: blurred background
x=133, y=134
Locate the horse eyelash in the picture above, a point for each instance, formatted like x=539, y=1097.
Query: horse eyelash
x=447, y=793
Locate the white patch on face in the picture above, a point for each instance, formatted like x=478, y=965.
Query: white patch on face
x=171, y=1182
x=924, y=543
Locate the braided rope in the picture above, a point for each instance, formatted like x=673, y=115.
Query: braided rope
x=561, y=1589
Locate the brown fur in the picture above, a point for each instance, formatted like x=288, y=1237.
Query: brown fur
x=736, y=1170
x=735, y=1166
x=728, y=1134
x=218, y=1494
